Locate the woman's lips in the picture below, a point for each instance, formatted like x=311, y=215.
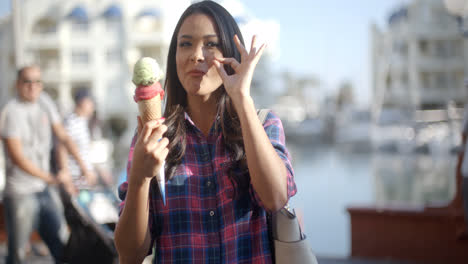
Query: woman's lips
x=196, y=73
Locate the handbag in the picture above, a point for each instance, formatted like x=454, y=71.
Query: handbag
x=88, y=242
x=290, y=243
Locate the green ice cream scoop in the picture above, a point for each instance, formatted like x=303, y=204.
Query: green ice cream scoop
x=146, y=71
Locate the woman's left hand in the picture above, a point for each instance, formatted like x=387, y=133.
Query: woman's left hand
x=237, y=85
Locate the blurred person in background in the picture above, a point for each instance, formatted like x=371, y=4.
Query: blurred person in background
x=225, y=170
x=77, y=124
x=30, y=199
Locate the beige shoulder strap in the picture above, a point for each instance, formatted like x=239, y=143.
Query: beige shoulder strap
x=262, y=114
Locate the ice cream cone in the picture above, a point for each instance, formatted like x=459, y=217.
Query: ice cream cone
x=150, y=109
x=148, y=96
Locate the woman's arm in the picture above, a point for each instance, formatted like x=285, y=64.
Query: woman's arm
x=267, y=170
x=132, y=235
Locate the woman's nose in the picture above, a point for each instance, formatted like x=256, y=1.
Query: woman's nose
x=197, y=55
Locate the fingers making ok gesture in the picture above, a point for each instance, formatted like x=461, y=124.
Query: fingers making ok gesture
x=237, y=85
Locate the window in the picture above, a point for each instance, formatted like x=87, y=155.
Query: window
x=47, y=58
x=441, y=80
x=80, y=57
x=424, y=47
x=388, y=81
x=442, y=49
x=79, y=26
x=425, y=80
x=45, y=26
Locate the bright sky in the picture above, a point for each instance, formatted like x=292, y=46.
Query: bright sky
x=328, y=39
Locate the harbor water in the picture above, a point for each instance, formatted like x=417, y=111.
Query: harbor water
x=329, y=179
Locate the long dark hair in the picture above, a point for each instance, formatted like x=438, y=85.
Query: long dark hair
x=177, y=97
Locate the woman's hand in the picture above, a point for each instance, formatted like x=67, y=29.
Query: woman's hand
x=150, y=150
x=237, y=85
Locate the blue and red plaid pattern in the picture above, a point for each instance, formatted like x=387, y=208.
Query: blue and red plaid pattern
x=201, y=222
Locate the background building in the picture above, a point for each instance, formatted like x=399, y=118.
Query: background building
x=420, y=60
x=94, y=45
x=89, y=44
x=86, y=44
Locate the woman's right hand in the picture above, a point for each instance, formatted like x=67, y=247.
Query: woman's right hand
x=150, y=150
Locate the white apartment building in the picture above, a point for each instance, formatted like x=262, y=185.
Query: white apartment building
x=420, y=60
x=86, y=44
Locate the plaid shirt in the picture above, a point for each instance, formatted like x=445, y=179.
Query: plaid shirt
x=202, y=223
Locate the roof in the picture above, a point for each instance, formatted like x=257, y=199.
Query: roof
x=113, y=11
x=79, y=13
x=154, y=12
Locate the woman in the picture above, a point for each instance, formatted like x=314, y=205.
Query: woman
x=224, y=171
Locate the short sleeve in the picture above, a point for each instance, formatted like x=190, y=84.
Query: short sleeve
x=9, y=126
x=49, y=106
x=275, y=132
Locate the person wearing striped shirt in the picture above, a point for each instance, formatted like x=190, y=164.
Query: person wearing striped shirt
x=76, y=125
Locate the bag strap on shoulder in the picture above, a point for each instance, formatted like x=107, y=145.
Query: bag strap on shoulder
x=262, y=114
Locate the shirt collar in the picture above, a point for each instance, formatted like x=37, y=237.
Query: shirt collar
x=192, y=125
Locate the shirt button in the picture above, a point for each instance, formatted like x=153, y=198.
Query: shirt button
x=211, y=213
x=208, y=183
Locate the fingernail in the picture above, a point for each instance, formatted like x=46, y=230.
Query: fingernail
x=162, y=119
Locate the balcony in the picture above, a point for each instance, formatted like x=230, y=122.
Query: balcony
x=437, y=64
x=44, y=34
x=41, y=41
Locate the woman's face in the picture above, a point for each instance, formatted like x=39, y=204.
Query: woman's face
x=197, y=46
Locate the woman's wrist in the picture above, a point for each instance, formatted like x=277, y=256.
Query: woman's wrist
x=136, y=179
x=241, y=103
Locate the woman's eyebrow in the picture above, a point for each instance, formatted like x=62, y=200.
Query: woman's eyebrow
x=205, y=36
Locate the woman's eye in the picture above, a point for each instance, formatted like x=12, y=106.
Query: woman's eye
x=212, y=44
x=184, y=44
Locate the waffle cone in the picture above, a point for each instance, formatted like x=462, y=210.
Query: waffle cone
x=150, y=109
